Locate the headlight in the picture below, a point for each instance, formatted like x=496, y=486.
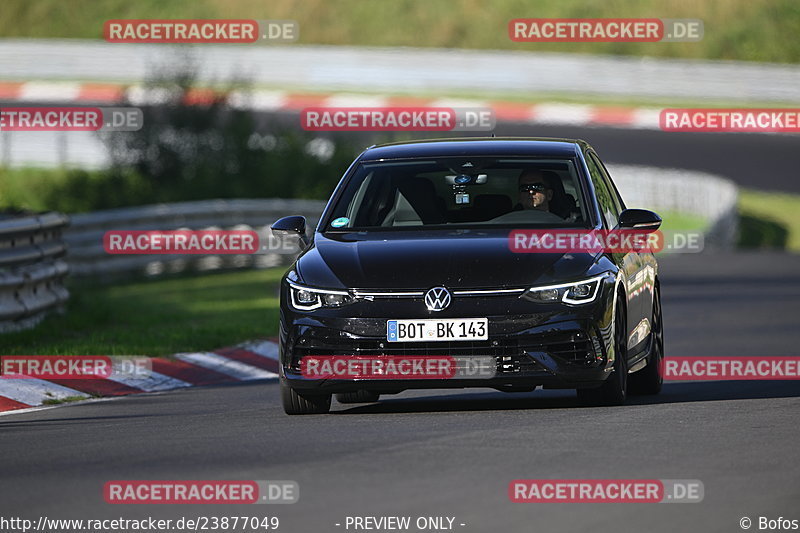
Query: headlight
x=306, y=299
x=578, y=292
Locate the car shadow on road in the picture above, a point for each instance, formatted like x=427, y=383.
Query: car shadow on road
x=710, y=391
x=674, y=392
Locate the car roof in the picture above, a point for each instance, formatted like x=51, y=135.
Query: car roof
x=471, y=146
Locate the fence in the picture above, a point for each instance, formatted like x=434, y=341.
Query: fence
x=32, y=269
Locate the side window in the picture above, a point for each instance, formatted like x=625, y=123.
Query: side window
x=604, y=195
x=615, y=196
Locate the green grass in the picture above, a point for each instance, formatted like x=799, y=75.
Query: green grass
x=751, y=30
x=157, y=317
x=769, y=220
x=673, y=221
x=29, y=188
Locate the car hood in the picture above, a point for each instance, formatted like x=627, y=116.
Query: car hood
x=454, y=259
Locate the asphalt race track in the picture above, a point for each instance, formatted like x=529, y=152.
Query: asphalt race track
x=757, y=161
x=454, y=453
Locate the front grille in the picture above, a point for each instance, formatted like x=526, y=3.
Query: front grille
x=574, y=348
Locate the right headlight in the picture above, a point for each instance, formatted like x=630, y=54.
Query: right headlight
x=307, y=298
x=575, y=293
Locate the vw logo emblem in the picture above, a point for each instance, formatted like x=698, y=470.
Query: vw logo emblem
x=437, y=299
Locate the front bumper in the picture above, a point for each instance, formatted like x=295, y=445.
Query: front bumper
x=557, y=347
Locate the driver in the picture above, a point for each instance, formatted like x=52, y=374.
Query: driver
x=535, y=191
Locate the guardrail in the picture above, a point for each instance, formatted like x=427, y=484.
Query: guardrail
x=89, y=258
x=706, y=196
x=32, y=269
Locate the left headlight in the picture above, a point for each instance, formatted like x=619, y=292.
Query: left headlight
x=575, y=293
x=307, y=298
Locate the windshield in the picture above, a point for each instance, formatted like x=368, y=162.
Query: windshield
x=460, y=192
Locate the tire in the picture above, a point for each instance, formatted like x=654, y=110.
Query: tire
x=361, y=396
x=295, y=403
x=650, y=379
x=615, y=389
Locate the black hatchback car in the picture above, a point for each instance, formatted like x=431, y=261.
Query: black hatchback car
x=411, y=261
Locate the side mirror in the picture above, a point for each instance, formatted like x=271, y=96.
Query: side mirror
x=294, y=224
x=641, y=219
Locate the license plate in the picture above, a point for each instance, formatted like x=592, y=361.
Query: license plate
x=457, y=329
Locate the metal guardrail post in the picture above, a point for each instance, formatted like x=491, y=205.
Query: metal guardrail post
x=32, y=269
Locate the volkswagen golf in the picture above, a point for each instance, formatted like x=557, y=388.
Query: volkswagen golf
x=411, y=279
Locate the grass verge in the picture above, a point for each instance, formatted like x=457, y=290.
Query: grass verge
x=751, y=30
x=673, y=222
x=29, y=187
x=157, y=317
x=769, y=220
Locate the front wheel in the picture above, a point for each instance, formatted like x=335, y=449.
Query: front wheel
x=295, y=403
x=650, y=379
x=615, y=389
